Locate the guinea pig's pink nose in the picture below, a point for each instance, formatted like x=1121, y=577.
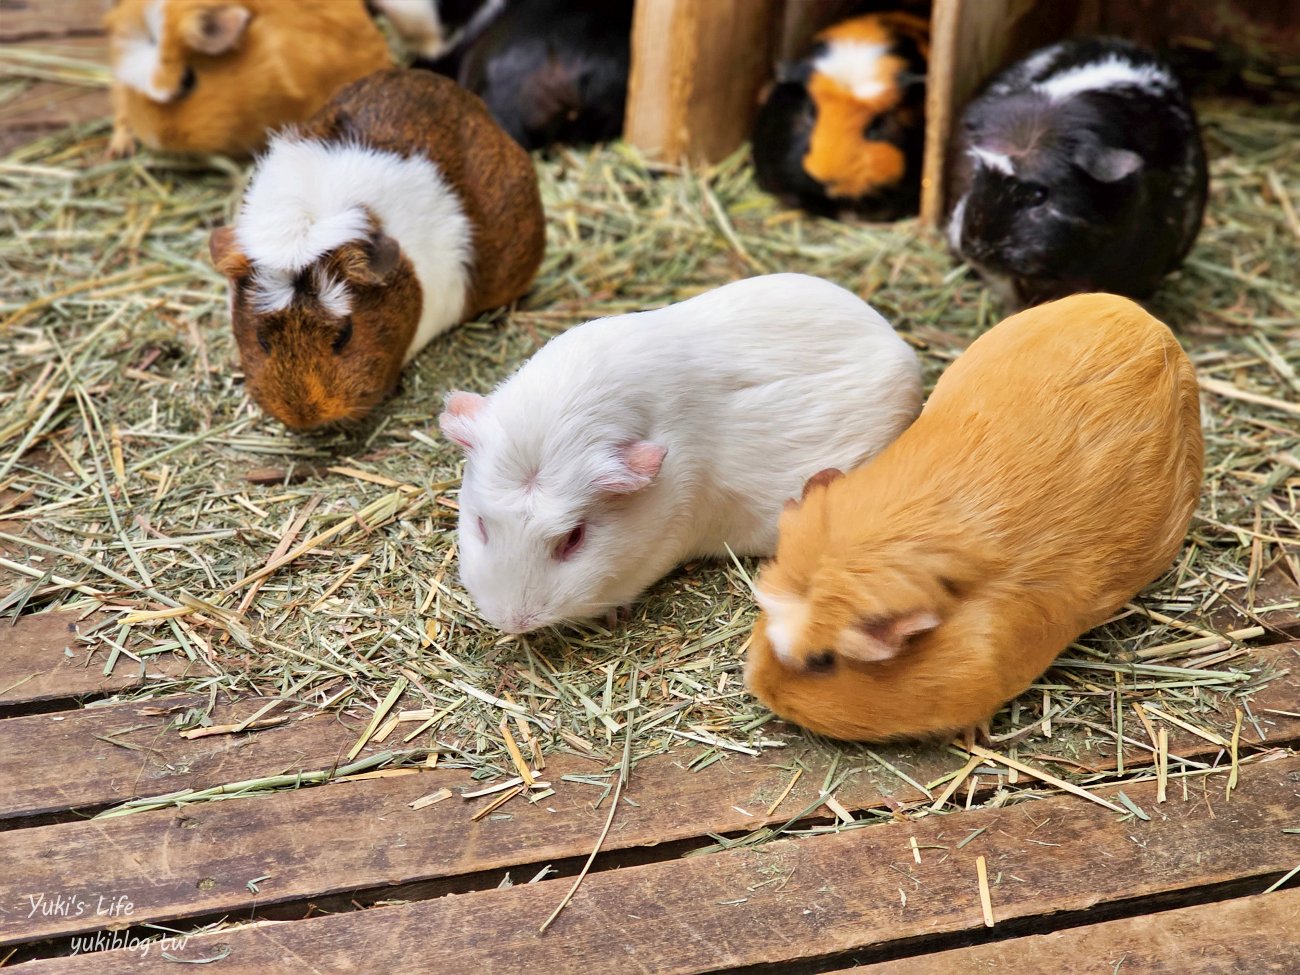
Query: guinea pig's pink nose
x=520, y=622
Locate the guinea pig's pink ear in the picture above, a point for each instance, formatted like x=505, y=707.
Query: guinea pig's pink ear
x=215, y=30
x=458, y=419
x=226, y=255
x=370, y=263
x=1107, y=165
x=821, y=479
x=636, y=465
x=874, y=640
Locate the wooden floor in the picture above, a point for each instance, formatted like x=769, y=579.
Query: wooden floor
x=360, y=875
x=351, y=877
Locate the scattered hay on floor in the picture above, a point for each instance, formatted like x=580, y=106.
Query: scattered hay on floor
x=136, y=477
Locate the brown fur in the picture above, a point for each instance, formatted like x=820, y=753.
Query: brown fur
x=1050, y=477
x=839, y=155
x=287, y=62
x=405, y=110
x=303, y=381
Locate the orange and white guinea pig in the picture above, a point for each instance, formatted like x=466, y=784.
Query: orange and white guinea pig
x=844, y=128
x=1051, y=476
x=218, y=75
x=396, y=212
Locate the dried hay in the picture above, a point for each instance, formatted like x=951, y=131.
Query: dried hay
x=137, y=478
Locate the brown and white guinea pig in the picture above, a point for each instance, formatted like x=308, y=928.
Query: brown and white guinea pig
x=219, y=75
x=1051, y=476
x=398, y=211
x=844, y=128
x=1079, y=169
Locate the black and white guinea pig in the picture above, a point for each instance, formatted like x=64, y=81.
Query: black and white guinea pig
x=554, y=70
x=438, y=32
x=1079, y=168
x=844, y=128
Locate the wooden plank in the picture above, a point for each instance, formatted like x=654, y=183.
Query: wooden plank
x=790, y=901
x=24, y=20
x=969, y=41
x=1248, y=936
x=804, y=18
x=697, y=67
x=54, y=762
x=50, y=763
x=159, y=855
x=40, y=660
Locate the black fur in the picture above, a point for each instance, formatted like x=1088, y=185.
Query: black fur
x=554, y=70
x=783, y=129
x=1109, y=185
x=456, y=17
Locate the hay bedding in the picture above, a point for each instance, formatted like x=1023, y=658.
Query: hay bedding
x=138, y=477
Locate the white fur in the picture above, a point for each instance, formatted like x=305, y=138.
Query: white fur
x=1112, y=71
x=332, y=293
x=955, y=222
x=752, y=388
x=138, y=54
x=787, y=618
x=854, y=65
x=998, y=161
x=307, y=197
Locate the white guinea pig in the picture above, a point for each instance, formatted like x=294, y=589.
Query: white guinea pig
x=630, y=444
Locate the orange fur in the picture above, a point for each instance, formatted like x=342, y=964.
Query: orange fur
x=839, y=155
x=1050, y=477
x=287, y=61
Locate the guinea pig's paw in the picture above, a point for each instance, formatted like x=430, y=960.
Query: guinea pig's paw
x=121, y=144
x=976, y=734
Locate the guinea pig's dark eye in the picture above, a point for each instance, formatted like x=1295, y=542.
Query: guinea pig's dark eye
x=572, y=542
x=344, y=336
x=482, y=531
x=876, y=130
x=263, y=341
x=1035, y=194
x=188, y=80
x=821, y=663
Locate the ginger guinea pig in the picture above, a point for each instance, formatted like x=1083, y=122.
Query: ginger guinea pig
x=844, y=128
x=630, y=444
x=219, y=75
x=398, y=211
x=1079, y=169
x=1050, y=477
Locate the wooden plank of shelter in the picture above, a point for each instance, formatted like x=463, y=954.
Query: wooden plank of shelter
x=40, y=660
x=697, y=68
x=26, y=20
x=969, y=40
x=1247, y=936
x=803, y=19
x=791, y=901
x=54, y=762
x=160, y=856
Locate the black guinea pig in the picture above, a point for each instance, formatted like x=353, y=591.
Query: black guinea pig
x=1079, y=168
x=843, y=129
x=554, y=70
